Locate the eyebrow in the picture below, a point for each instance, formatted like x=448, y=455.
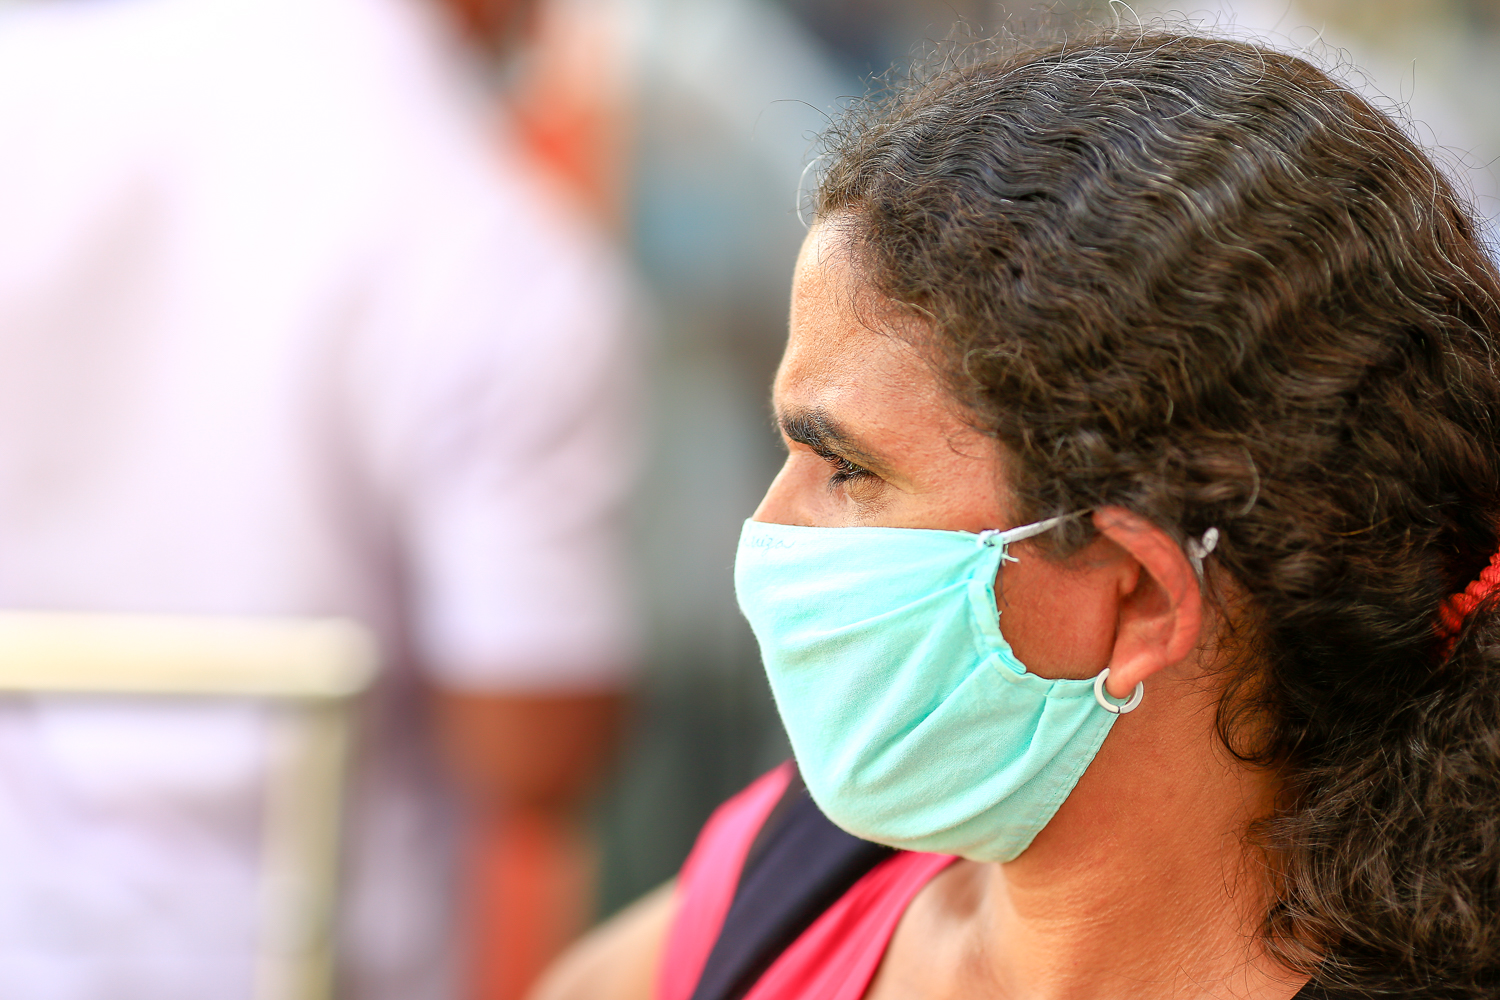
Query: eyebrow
x=826, y=436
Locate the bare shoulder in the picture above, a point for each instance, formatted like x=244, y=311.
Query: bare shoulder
x=618, y=960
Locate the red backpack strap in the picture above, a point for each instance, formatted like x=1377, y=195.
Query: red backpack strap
x=707, y=882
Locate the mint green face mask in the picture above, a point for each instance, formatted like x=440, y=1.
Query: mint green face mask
x=913, y=723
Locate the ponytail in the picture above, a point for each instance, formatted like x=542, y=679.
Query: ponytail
x=1390, y=863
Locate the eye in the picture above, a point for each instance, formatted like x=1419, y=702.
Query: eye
x=844, y=470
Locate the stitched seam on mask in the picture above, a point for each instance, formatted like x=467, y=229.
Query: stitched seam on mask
x=983, y=577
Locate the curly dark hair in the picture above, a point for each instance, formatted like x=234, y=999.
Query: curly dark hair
x=1201, y=280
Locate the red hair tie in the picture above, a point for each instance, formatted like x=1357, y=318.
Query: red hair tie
x=1455, y=609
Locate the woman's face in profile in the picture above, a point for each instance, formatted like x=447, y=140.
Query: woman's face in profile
x=873, y=439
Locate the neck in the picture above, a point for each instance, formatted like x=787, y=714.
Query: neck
x=1143, y=885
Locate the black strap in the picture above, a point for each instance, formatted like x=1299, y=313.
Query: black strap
x=797, y=867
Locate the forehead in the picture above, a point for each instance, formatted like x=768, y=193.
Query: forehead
x=841, y=344
x=851, y=370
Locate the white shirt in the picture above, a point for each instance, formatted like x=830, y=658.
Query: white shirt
x=283, y=331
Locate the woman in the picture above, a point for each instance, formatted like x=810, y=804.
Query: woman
x=1215, y=344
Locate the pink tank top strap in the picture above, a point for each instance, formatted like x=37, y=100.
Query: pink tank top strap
x=837, y=957
x=707, y=882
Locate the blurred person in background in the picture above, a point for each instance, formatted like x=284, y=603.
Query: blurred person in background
x=289, y=327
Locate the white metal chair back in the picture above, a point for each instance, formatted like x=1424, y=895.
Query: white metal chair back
x=310, y=671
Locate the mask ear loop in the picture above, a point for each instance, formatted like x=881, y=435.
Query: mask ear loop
x=1006, y=538
x=1197, y=551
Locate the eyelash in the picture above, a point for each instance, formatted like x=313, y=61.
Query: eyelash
x=844, y=470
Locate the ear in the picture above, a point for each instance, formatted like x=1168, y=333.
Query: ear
x=1161, y=615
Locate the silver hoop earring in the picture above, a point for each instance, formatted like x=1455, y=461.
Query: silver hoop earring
x=1111, y=707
